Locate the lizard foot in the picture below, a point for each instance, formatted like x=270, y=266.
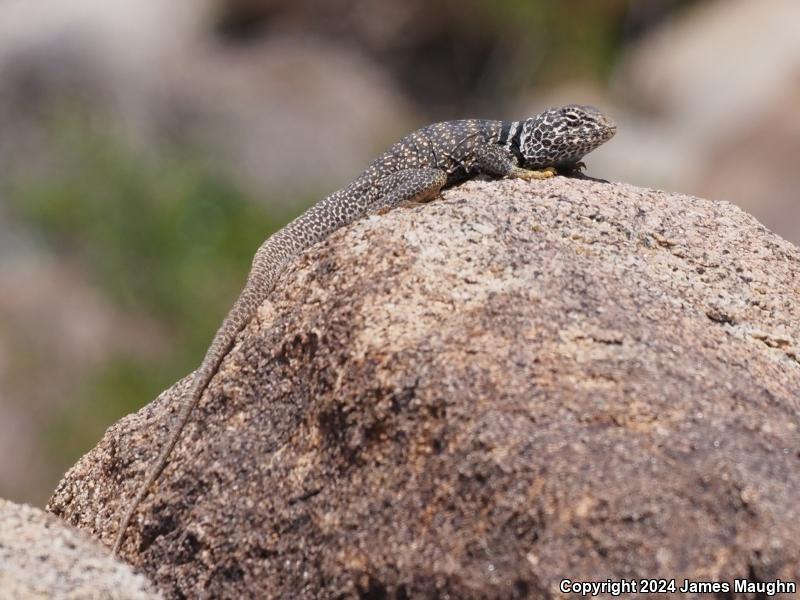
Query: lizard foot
x=575, y=169
x=529, y=175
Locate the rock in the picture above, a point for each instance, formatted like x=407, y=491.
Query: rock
x=448, y=57
x=41, y=558
x=710, y=121
x=115, y=63
x=476, y=398
x=685, y=67
x=755, y=167
x=285, y=105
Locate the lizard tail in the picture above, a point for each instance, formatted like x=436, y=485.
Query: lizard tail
x=223, y=341
x=269, y=260
x=161, y=462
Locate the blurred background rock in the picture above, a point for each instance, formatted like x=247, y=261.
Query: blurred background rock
x=148, y=146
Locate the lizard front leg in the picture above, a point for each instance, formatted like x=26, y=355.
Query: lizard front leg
x=496, y=161
x=409, y=186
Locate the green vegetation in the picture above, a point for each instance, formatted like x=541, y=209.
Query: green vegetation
x=166, y=236
x=566, y=40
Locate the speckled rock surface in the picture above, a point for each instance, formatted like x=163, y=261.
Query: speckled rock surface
x=515, y=384
x=43, y=559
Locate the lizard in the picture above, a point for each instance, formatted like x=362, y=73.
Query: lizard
x=413, y=170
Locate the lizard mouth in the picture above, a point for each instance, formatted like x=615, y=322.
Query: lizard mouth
x=608, y=128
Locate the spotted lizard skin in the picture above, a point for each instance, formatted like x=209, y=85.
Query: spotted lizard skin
x=416, y=168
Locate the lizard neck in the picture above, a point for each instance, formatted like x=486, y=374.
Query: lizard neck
x=510, y=138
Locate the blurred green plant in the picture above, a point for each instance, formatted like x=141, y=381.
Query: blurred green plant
x=579, y=39
x=167, y=236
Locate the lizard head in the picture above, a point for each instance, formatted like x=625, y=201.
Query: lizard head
x=560, y=137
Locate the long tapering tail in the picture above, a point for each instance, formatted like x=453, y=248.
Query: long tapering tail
x=161, y=462
x=315, y=224
x=237, y=318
